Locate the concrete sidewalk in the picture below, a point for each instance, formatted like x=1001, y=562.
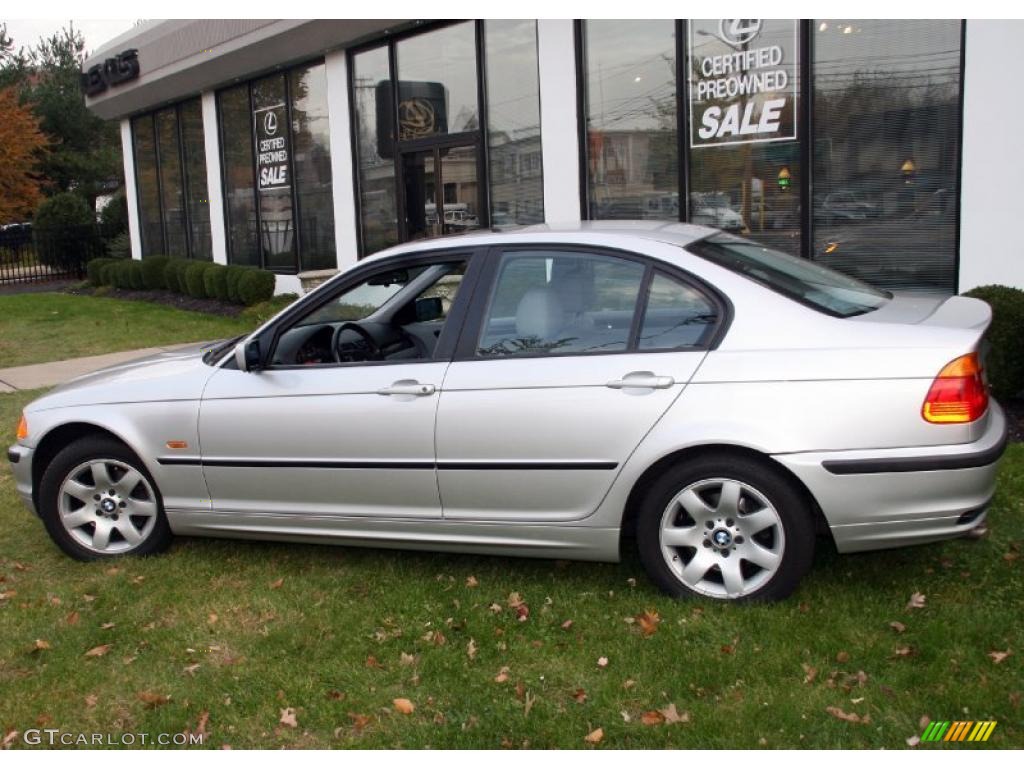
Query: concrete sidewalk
x=49, y=374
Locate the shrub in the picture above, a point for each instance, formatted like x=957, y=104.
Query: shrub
x=174, y=274
x=1004, y=364
x=122, y=274
x=107, y=272
x=136, y=275
x=233, y=275
x=215, y=282
x=120, y=247
x=256, y=285
x=64, y=230
x=153, y=272
x=93, y=270
x=195, y=273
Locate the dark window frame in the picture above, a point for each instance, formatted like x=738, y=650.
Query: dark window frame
x=285, y=73
x=185, y=179
x=804, y=129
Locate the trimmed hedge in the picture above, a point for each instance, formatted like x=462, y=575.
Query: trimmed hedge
x=153, y=272
x=199, y=279
x=256, y=286
x=1004, y=365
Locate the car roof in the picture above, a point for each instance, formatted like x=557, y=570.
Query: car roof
x=621, y=230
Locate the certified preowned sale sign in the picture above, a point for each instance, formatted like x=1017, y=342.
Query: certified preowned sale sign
x=272, y=147
x=742, y=81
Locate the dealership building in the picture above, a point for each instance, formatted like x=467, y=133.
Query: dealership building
x=887, y=149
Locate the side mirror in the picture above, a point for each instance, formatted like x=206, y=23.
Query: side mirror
x=247, y=355
x=429, y=309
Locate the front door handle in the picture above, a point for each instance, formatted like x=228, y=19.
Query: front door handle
x=641, y=380
x=408, y=387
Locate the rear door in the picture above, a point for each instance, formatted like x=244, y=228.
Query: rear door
x=570, y=356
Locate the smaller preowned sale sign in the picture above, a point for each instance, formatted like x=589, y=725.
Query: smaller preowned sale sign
x=272, y=148
x=743, y=81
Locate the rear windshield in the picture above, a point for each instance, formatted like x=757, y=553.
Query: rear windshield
x=812, y=284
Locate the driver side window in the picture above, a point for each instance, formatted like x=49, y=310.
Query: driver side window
x=395, y=314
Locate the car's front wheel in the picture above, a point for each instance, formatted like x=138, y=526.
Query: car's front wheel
x=727, y=527
x=97, y=500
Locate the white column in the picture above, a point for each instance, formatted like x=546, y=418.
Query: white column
x=556, y=52
x=990, y=194
x=342, y=159
x=131, y=193
x=214, y=189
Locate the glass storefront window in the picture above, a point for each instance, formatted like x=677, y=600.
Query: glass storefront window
x=745, y=172
x=274, y=182
x=437, y=90
x=171, y=183
x=513, y=123
x=147, y=187
x=631, y=114
x=239, y=180
x=197, y=200
x=378, y=218
x=886, y=150
x=311, y=163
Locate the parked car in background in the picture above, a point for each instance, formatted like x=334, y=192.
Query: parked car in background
x=548, y=392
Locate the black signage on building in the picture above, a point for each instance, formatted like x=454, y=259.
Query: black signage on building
x=272, y=147
x=422, y=112
x=113, y=71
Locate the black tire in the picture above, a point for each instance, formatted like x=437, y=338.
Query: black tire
x=83, y=450
x=789, y=502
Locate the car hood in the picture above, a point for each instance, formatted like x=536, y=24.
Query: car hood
x=180, y=374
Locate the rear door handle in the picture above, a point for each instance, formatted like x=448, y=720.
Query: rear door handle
x=641, y=380
x=408, y=387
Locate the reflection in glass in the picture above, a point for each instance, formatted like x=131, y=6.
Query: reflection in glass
x=461, y=192
x=632, y=153
x=420, y=195
x=513, y=123
x=742, y=183
x=378, y=217
x=887, y=132
x=147, y=189
x=277, y=228
x=311, y=166
x=171, y=187
x=445, y=57
x=196, y=199
x=238, y=161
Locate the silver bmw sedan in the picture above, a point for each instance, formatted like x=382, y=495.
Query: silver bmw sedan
x=550, y=392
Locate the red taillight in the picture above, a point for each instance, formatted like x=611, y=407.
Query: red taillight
x=958, y=395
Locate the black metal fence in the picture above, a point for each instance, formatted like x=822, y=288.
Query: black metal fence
x=29, y=255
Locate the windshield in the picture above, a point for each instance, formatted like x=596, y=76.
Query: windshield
x=812, y=284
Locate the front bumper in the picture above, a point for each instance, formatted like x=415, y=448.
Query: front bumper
x=877, y=499
x=20, y=458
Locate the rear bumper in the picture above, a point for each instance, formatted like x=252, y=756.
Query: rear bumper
x=20, y=458
x=876, y=499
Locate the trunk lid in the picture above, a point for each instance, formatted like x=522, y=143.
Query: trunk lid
x=933, y=310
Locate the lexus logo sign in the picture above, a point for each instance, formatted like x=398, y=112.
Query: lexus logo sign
x=736, y=32
x=270, y=122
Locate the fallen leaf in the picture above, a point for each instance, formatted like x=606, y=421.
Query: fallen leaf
x=88, y=598
x=627, y=684
x=99, y=650
x=672, y=715
x=580, y=696
x=897, y=627
x=495, y=608
x=55, y=601
x=528, y=700
x=923, y=722
x=7, y=594
x=567, y=624
x=404, y=706
x=277, y=585
x=810, y=673
x=997, y=657
x=515, y=600
x=113, y=570
x=406, y=659
x=522, y=612
x=472, y=582
x=359, y=721
x=903, y=652
x=652, y=717
x=648, y=621
x=917, y=600
x=372, y=663
x=72, y=618
x=191, y=669
x=42, y=645
x=602, y=662
x=502, y=676
x=842, y=657
x=108, y=625
x=913, y=741
x=849, y=717
x=471, y=649
x=212, y=619
x=288, y=718
x=204, y=718
x=152, y=700
x=595, y=736
x=727, y=649
x=625, y=716
x=9, y=739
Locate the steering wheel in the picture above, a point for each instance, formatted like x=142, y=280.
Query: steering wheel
x=373, y=351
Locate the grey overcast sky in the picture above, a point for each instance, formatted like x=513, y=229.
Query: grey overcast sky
x=26, y=32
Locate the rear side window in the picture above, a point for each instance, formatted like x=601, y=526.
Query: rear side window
x=677, y=316
x=799, y=279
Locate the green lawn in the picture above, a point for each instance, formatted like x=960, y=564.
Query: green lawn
x=39, y=327
x=236, y=633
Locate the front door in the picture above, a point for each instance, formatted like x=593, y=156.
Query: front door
x=340, y=421
x=441, y=190
x=576, y=356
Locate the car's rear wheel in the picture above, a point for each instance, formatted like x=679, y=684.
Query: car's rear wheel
x=97, y=500
x=727, y=527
